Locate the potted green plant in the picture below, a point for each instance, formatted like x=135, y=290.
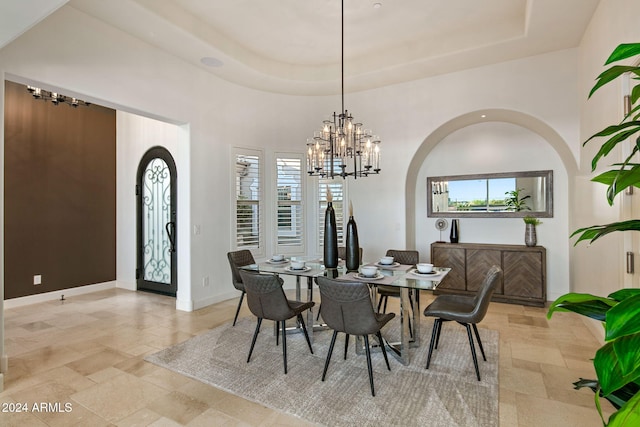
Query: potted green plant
x=513, y=201
x=617, y=362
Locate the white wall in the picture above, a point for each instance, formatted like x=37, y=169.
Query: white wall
x=406, y=115
x=84, y=56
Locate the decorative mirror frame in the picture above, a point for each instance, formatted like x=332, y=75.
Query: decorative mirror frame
x=547, y=175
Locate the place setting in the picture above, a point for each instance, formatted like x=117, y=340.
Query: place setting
x=277, y=260
x=369, y=274
x=297, y=266
x=388, y=263
x=424, y=271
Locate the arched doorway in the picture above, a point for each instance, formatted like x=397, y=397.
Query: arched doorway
x=504, y=123
x=156, y=194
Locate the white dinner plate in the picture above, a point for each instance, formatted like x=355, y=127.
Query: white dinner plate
x=361, y=277
x=394, y=264
x=431, y=273
x=297, y=270
x=270, y=261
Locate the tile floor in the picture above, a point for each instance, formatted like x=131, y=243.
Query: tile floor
x=88, y=352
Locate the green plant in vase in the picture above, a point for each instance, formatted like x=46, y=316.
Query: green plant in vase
x=617, y=362
x=531, y=220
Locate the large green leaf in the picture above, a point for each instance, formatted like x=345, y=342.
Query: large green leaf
x=620, y=133
x=595, y=232
x=612, y=374
x=628, y=414
x=587, y=305
x=611, y=74
x=626, y=349
x=623, y=51
x=623, y=294
x=623, y=319
x=635, y=94
x=618, y=180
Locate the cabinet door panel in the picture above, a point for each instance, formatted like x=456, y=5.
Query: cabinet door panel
x=523, y=274
x=479, y=261
x=453, y=258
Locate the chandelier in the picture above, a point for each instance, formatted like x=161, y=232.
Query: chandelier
x=343, y=147
x=55, y=98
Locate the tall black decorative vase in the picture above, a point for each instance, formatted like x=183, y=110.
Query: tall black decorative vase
x=454, y=235
x=352, y=246
x=330, y=238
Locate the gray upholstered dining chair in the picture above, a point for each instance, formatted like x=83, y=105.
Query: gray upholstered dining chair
x=407, y=257
x=342, y=254
x=466, y=310
x=346, y=307
x=239, y=259
x=266, y=300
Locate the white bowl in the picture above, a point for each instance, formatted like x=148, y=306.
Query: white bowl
x=277, y=258
x=424, y=268
x=386, y=260
x=297, y=265
x=368, y=271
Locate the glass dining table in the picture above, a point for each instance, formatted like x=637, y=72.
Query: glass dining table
x=409, y=281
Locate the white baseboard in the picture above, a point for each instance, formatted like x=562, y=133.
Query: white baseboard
x=215, y=299
x=4, y=363
x=184, y=305
x=56, y=295
x=129, y=286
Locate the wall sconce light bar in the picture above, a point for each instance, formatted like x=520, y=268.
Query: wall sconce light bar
x=56, y=98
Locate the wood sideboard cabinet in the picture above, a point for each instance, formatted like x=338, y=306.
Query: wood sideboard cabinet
x=524, y=270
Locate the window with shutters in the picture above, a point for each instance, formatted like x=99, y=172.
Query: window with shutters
x=290, y=209
x=337, y=188
x=249, y=203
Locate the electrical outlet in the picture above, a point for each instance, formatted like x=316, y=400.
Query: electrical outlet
x=205, y=281
x=37, y=279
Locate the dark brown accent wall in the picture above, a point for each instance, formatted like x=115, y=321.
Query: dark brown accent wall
x=60, y=194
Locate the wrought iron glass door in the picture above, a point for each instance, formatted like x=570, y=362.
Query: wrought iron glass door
x=156, y=224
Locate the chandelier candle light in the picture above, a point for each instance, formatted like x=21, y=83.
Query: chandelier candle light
x=342, y=143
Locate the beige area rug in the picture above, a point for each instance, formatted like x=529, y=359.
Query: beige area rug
x=448, y=394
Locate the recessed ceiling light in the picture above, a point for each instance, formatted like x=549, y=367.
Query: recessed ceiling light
x=377, y=5
x=483, y=116
x=210, y=61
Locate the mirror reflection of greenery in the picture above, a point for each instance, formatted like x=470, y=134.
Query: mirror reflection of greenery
x=494, y=204
x=515, y=202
